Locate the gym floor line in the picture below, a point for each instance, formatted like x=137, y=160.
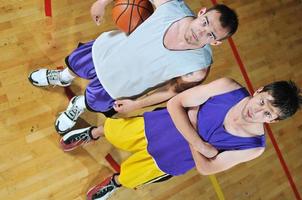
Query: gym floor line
x=268, y=129
x=250, y=87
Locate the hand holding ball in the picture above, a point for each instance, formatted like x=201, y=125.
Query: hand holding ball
x=129, y=14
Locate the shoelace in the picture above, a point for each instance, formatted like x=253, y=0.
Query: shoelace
x=105, y=190
x=53, y=75
x=74, y=112
x=82, y=137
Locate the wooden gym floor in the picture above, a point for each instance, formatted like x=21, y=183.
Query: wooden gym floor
x=33, y=167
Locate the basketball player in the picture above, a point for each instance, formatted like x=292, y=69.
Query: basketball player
x=171, y=43
x=212, y=127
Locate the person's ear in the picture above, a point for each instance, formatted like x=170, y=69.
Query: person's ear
x=216, y=43
x=202, y=11
x=258, y=91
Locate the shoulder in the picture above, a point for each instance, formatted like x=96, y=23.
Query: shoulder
x=223, y=85
x=227, y=83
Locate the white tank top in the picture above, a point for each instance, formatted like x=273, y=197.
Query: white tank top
x=128, y=65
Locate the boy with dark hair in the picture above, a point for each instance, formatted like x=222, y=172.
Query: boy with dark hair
x=212, y=127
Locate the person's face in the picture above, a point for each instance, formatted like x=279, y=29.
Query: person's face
x=259, y=109
x=205, y=29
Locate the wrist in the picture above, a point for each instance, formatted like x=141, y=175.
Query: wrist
x=199, y=144
x=104, y=2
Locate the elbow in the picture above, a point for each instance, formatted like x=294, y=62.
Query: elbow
x=204, y=171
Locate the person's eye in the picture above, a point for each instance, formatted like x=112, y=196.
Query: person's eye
x=210, y=35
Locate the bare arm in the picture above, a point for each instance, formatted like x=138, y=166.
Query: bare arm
x=224, y=160
x=163, y=93
x=154, y=97
x=97, y=10
x=195, y=97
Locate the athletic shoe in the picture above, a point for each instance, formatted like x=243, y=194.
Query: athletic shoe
x=103, y=190
x=76, y=138
x=68, y=118
x=45, y=77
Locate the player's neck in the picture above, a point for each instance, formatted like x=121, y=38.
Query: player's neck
x=174, y=38
x=237, y=121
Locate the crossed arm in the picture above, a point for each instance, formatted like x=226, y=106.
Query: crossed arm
x=163, y=93
x=202, y=151
x=224, y=160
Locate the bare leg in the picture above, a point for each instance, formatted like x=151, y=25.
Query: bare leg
x=116, y=179
x=98, y=132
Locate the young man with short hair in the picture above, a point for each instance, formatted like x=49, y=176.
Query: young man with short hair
x=212, y=127
x=171, y=43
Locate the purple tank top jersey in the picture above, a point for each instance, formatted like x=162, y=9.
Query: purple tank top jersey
x=171, y=151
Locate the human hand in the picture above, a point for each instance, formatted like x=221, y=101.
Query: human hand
x=125, y=105
x=97, y=11
x=206, y=149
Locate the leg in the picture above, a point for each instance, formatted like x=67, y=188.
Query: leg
x=95, y=99
x=138, y=169
x=114, y=128
x=80, y=63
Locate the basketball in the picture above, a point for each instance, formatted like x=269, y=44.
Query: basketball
x=129, y=14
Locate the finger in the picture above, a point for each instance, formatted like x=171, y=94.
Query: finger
x=98, y=20
x=95, y=18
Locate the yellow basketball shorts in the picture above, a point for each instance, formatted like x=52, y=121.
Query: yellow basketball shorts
x=129, y=135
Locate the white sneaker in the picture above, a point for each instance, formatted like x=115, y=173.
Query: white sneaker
x=68, y=118
x=45, y=77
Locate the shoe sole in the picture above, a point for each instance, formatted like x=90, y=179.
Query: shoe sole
x=62, y=144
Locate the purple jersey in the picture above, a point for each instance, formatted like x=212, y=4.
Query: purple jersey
x=171, y=151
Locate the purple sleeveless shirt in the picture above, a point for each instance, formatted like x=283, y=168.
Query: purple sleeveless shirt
x=171, y=151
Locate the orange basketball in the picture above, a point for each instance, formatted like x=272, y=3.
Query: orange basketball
x=129, y=14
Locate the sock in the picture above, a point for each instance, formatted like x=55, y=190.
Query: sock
x=81, y=102
x=66, y=76
x=113, y=180
x=90, y=133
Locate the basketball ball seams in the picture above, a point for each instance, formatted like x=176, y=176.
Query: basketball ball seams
x=128, y=18
x=139, y=14
x=129, y=24
x=125, y=9
x=140, y=11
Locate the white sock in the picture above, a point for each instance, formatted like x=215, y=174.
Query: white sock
x=66, y=76
x=81, y=102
